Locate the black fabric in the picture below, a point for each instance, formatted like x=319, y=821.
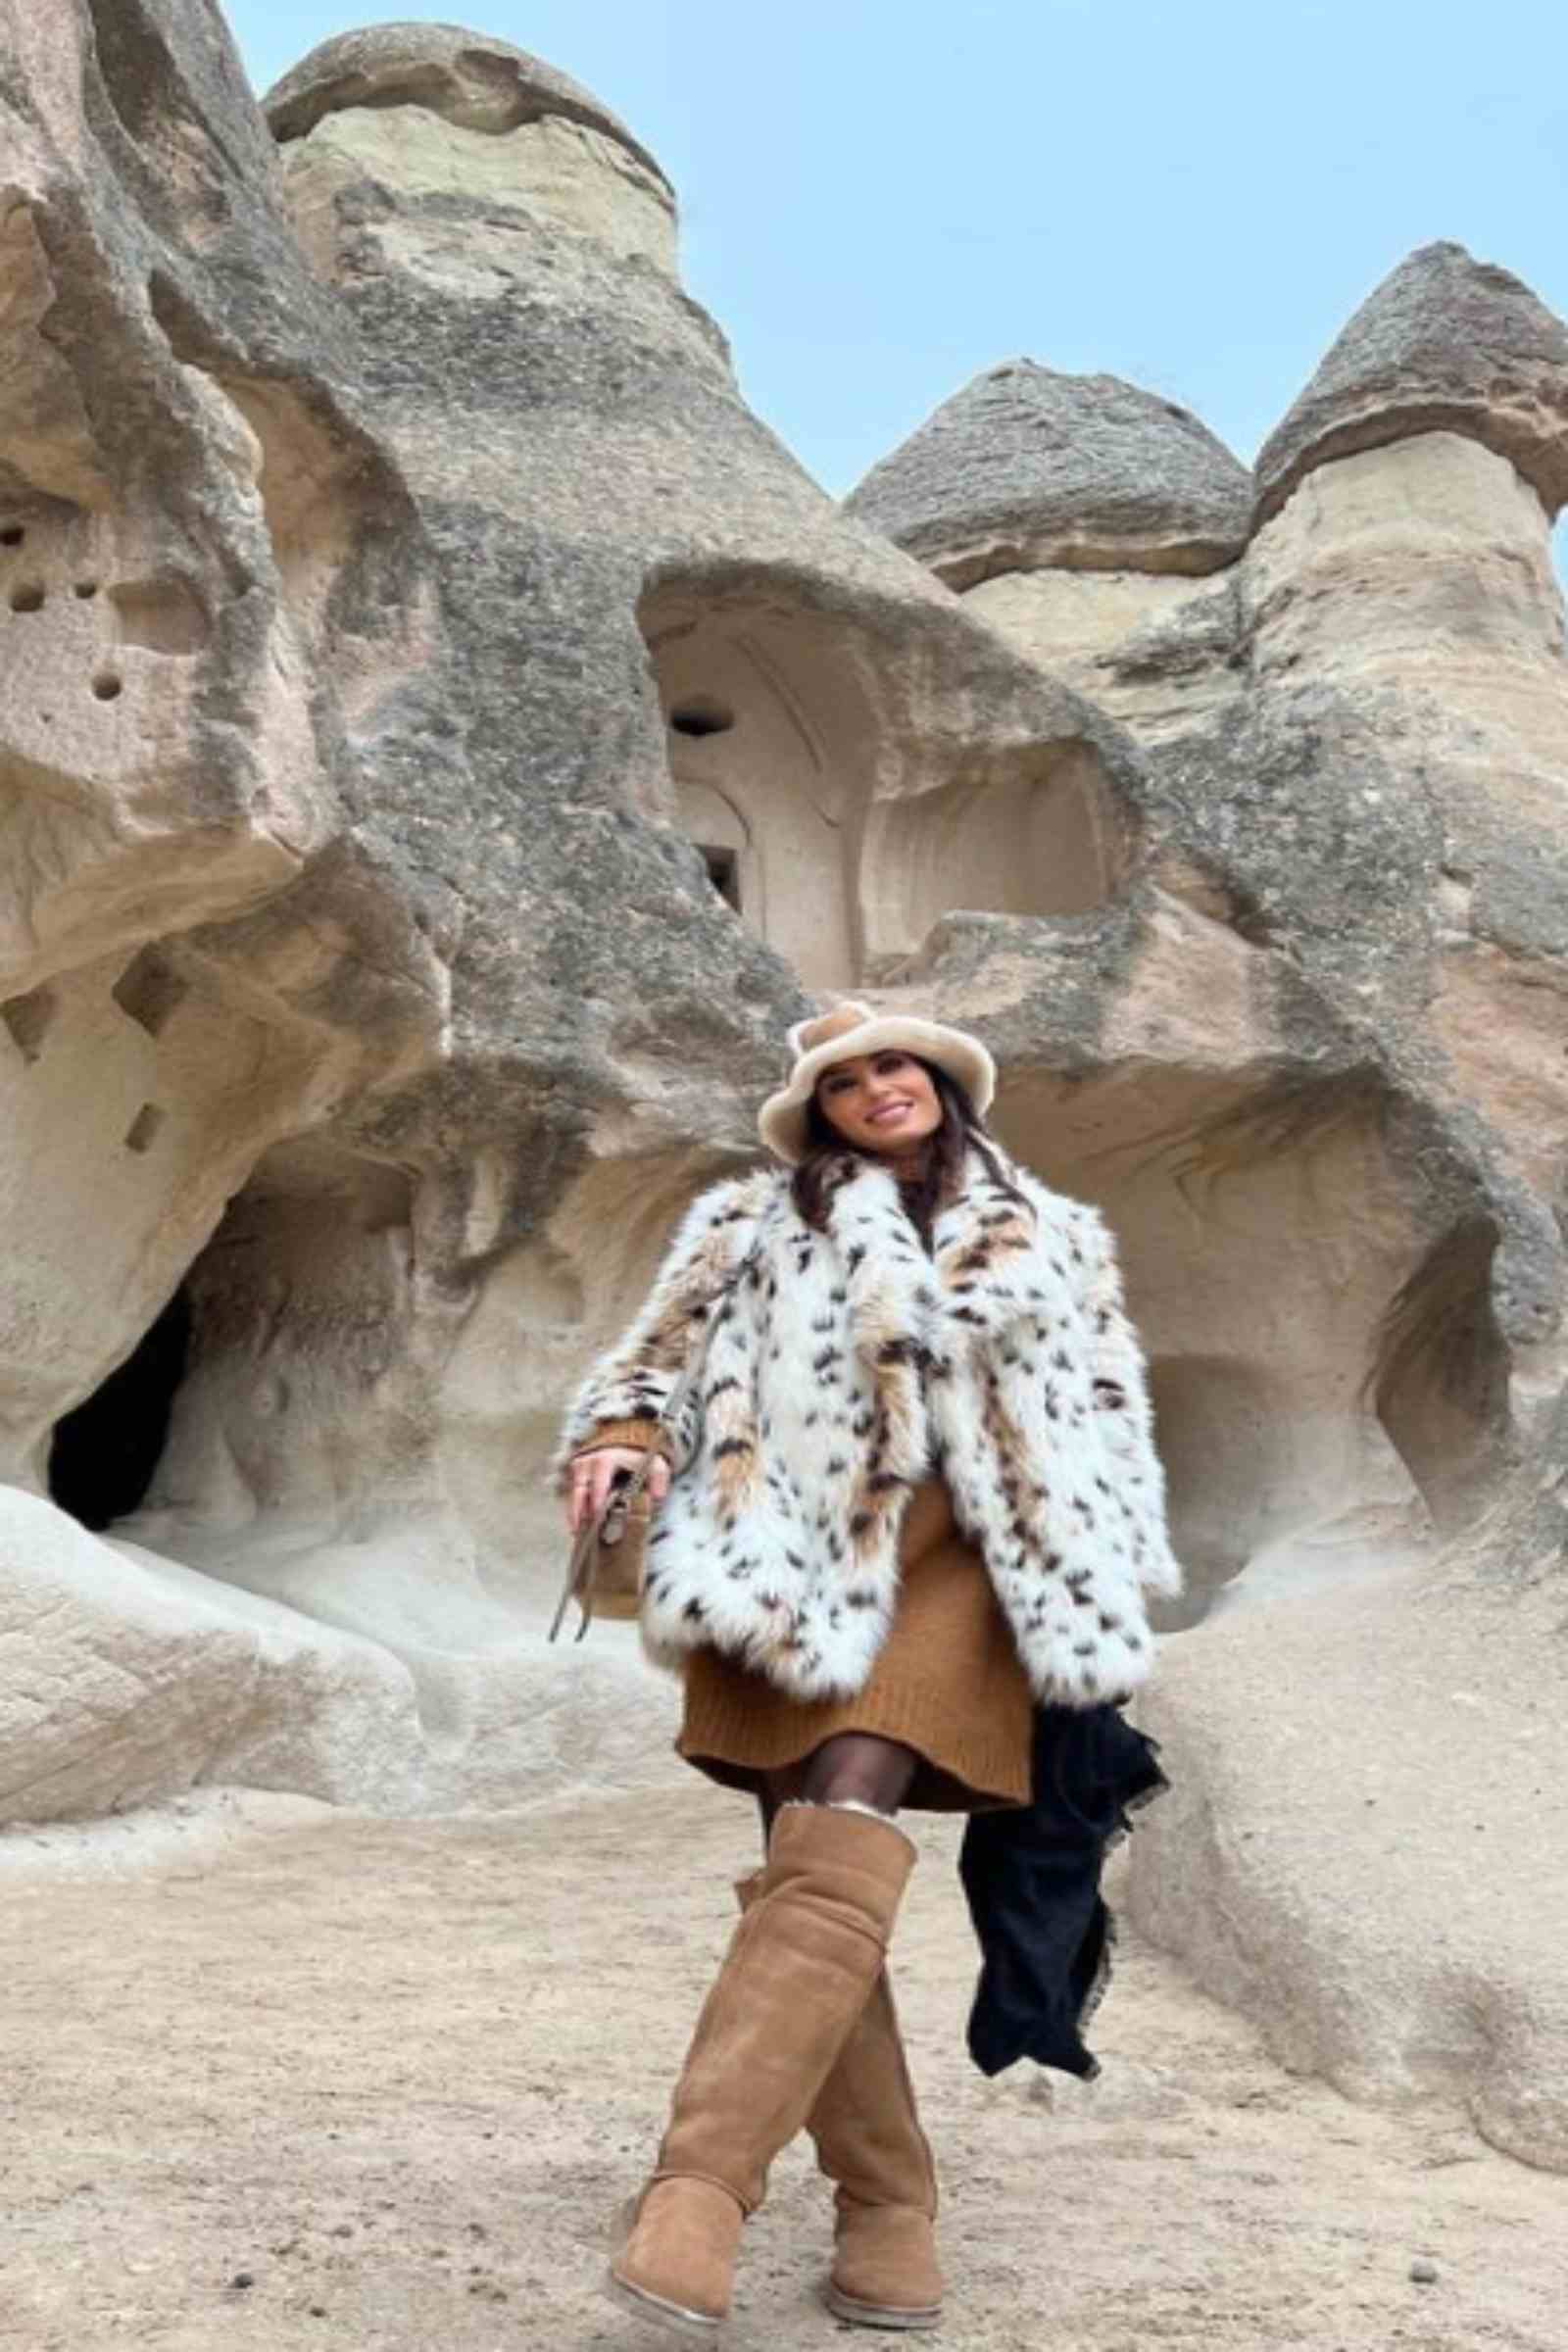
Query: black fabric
x=1031, y=1876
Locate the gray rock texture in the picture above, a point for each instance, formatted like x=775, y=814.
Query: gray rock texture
x=447, y=740
x=1029, y=470
x=1444, y=344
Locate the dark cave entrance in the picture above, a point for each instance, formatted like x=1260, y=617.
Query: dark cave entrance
x=723, y=871
x=104, y=1453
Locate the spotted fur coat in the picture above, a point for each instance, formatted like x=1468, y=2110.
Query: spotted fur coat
x=836, y=1371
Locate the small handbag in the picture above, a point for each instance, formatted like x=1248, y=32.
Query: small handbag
x=604, y=1573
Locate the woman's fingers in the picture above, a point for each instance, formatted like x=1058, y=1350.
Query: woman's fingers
x=610, y=1463
x=592, y=1476
x=600, y=1474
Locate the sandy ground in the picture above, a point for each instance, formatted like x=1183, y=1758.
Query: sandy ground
x=277, y=2077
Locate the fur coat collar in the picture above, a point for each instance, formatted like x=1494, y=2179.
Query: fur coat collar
x=839, y=1369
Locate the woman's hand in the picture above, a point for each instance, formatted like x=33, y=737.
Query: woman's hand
x=593, y=1474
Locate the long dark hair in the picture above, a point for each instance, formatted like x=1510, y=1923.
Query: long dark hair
x=830, y=1159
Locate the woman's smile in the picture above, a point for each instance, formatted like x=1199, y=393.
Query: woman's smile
x=881, y=1098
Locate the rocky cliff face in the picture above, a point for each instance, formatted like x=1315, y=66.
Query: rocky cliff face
x=411, y=628
x=448, y=738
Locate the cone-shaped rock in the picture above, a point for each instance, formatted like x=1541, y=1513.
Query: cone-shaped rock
x=1444, y=344
x=1029, y=470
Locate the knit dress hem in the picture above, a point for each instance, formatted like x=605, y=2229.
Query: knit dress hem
x=948, y=1683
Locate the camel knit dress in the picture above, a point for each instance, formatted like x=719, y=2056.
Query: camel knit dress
x=947, y=1682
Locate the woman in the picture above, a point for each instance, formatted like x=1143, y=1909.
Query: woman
x=913, y=1493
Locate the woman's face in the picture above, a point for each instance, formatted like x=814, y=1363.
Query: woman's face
x=880, y=1102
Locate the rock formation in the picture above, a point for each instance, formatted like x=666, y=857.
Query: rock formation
x=447, y=737
x=370, y=1007
x=1326, y=1104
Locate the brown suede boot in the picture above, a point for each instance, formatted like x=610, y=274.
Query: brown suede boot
x=799, y=1970
x=871, y=2144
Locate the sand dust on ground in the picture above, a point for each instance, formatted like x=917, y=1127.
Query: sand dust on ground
x=278, y=2077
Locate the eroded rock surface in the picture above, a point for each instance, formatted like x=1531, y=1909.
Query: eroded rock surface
x=446, y=738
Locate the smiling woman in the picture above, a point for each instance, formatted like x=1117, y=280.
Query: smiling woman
x=909, y=1495
x=883, y=1102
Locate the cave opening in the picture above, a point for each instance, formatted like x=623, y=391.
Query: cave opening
x=702, y=714
x=105, y=1450
x=723, y=871
x=1262, y=1230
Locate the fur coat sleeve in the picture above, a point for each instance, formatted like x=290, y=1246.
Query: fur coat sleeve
x=635, y=1378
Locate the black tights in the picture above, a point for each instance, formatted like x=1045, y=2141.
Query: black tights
x=853, y=1768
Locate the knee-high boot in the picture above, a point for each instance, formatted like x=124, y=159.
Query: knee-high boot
x=794, y=1982
x=869, y=2143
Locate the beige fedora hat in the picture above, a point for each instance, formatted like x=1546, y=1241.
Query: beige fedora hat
x=852, y=1029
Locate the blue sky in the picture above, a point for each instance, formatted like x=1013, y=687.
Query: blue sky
x=880, y=196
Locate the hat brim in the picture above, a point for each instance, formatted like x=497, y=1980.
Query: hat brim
x=783, y=1119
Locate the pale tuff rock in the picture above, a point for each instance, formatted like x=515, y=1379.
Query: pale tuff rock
x=1028, y=471
x=1159, y=651
x=130, y=1676
x=1344, y=1886
x=427, y=111
x=446, y=737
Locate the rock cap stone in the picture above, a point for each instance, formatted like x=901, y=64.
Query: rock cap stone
x=469, y=79
x=1026, y=470
x=1444, y=344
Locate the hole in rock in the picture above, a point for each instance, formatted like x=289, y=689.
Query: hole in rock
x=1264, y=1231
x=734, y=667
x=1047, y=835
x=86, y=589
x=107, y=687
x=142, y=1133
x=702, y=716
x=29, y=598
x=305, y=1270
x=104, y=1453
x=150, y=990
x=1439, y=1378
x=723, y=873
x=13, y=535
x=28, y=1018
